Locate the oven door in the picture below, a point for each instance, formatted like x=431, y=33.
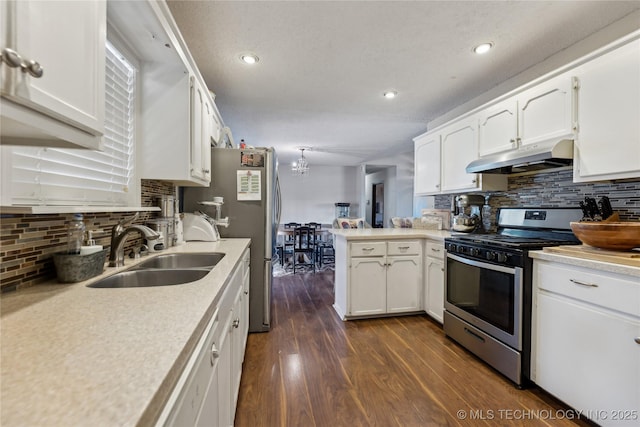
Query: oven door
x=487, y=296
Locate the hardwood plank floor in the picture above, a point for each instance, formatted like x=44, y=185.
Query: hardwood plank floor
x=313, y=369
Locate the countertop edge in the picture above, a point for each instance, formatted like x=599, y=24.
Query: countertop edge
x=609, y=267
x=389, y=234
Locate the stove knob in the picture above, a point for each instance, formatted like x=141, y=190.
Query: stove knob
x=452, y=248
x=490, y=255
x=474, y=252
x=502, y=257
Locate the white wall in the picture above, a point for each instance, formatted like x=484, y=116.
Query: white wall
x=313, y=197
x=398, y=189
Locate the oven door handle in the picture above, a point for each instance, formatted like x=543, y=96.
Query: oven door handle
x=480, y=264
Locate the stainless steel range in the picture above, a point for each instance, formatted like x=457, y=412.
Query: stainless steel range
x=488, y=285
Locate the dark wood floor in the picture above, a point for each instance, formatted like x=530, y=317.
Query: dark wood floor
x=312, y=369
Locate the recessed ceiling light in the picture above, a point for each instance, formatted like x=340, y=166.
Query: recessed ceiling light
x=249, y=58
x=483, y=48
x=390, y=94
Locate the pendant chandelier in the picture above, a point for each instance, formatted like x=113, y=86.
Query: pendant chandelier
x=300, y=167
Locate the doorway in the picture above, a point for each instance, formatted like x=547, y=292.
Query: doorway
x=377, y=206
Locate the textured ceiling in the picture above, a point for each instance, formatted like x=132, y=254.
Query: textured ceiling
x=325, y=64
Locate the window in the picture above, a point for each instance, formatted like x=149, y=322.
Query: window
x=76, y=177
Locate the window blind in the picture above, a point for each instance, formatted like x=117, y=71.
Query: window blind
x=71, y=177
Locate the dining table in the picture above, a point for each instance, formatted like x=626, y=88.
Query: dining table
x=287, y=236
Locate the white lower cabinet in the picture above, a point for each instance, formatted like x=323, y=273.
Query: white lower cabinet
x=383, y=278
x=206, y=393
x=586, y=341
x=434, y=283
x=368, y=286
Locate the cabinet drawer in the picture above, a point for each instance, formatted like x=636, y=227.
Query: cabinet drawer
x=435, y=250
x=404, y=248
x=368, y=249
x=613, y=291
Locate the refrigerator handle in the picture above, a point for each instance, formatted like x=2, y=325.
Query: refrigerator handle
x=268, y=277
x=278, y=201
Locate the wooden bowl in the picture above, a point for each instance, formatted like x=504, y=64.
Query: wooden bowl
x=617, y=236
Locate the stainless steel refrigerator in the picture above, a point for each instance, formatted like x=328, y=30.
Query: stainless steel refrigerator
x=248, y=181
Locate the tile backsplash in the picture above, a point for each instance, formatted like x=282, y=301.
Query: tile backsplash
x=28, y=241
x=557, y=189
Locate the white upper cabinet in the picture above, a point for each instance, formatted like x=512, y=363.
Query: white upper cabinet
x=459, y=148
x=59, y=99
x=608, y=143
x=441, y=158
x=542, y=113
x=498, y=128
x=545, y=112
x=201, y=124
x=427, y=164
x=179, y=119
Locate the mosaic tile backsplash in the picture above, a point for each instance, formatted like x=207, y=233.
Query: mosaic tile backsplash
x=556, y=189
x=27, y=242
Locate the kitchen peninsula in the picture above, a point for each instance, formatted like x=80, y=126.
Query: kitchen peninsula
x=389, y=271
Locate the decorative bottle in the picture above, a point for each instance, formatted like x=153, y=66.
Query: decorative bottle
x=486, y=215
x=75, y=234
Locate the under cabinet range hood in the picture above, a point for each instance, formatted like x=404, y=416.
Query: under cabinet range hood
x=525, y=159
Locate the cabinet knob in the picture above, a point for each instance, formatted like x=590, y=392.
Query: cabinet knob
x=206, y=171
x=33, y=68
x=246, y=292
x=11, y=58
x=637, y=340
x=214, y=353
x=512, y=141
x=14, y=60
x=236, y=323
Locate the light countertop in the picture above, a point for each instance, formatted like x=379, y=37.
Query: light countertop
x=73, y=355
x=389, y=233
x=607, y=266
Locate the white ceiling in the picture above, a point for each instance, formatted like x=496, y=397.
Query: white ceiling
x=325, y=64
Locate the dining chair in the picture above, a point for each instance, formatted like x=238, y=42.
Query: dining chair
x=286, y=249
x=304, y=247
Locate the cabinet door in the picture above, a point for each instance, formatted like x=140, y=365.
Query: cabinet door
x=367, y=286
x=459, y=148
x=209, y=412
x=587, y=357
x=608, y=143
x=435, y=288
x=72, y=57
x=404, y=280
x=498, y=128
x=427, y=164
x=197, y=127
x=226, y=408
x=207, y=130
x=237, y=351
x=545, y=112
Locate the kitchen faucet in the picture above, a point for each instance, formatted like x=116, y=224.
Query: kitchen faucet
x=119, y=235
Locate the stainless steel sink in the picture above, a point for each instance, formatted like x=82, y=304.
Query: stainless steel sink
x=151, y=277
x=182, y=260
